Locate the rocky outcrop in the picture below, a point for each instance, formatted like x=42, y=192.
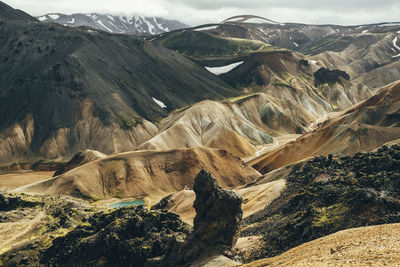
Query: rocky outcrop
x=11, y=202
x=125, y=237
x=329, y=76
x=216, y=225
x=330, y=194
x=218, y=212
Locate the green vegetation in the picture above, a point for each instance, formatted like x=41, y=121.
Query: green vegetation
x=128, y=121
x=241, y=97
x=211, y=50
x=118, y=193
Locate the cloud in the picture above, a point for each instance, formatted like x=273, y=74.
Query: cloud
x=196, y=12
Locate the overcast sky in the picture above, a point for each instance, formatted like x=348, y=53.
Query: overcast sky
x=194, y=12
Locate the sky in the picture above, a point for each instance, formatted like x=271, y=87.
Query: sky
x=196, y=12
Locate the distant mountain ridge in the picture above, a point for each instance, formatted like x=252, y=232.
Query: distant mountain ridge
x=115, y=24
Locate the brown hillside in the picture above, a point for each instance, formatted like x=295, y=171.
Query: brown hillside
x=146, y=174
x=366, y=246
x=365, y=126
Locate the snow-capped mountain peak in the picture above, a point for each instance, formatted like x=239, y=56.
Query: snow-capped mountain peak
x=115, y=24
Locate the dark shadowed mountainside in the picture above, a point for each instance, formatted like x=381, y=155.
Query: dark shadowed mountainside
x=64, y=90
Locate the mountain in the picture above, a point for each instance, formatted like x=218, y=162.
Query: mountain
x=146, y=174
x=340, y=66
x=368, y=53
x=69, y=89
x=115, y=24
x=8, y=13
x=363, y=127
x=297, y=36
x=285, y=92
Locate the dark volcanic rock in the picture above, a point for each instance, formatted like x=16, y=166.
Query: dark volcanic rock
x=124, y=237
x=216, y=225
x=10, y=202
x=327, y=195
x=218, y=212
x=329, y=76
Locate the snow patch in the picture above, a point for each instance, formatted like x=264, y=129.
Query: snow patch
x=223, y=69
x=206, y=28
x=389, y=24
x=396, y=56
x=313, y=62
x=72, y=20
x=160, y=26
x=121, y=31
x=54, y=16
x=150, y=25
x=365, y=31
x=295, y=44
x=262, y=30
x=104, y=26
x=43, y=18
x=161, y=104
x=395, y=43
x=111, y=17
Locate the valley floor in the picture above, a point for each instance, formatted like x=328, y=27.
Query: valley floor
x=12, y=181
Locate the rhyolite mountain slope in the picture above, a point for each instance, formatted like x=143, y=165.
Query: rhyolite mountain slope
x=295, y=36
x=237, y=125
x=368, y=53
x=146, y=174
x=115, y=24
x=340, y=66
x=262, y=67
x=285, y=93
x=363, y=127
x=69, y=89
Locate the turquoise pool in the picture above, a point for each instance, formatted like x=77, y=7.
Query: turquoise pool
x=136, y=202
